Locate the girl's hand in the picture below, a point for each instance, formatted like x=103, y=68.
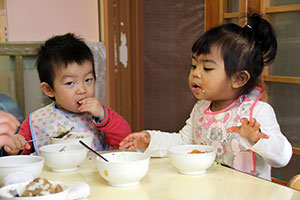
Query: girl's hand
x=249, y=129
x=135, y=140
x=19, y=143
x=93, y=106
x=8, y=126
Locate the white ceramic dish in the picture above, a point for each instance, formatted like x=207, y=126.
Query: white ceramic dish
x=192, y=163
x=20, y=188
x=21, y=163
x=63, y=157
x=74, y=137
x=124, y=168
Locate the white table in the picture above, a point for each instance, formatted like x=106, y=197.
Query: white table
x=163, y=182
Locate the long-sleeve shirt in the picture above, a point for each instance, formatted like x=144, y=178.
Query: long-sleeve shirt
x=273, y=152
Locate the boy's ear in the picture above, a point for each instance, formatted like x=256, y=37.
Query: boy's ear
x=240, y=78
x=47, y=89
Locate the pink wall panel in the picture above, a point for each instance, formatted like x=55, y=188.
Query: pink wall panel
x=36, y=20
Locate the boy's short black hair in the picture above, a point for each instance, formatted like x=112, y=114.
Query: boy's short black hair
x=59, y=51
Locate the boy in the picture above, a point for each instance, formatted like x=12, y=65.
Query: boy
x=66, y=70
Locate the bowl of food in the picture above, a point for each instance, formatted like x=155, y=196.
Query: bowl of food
x=21, y=163
x=192, y=159
x=74, y=137
x=38, y=189
x=123, y=169
x=63, y=157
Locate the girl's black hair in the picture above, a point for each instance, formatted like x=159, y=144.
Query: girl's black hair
x=247, y=48
x=59, y=51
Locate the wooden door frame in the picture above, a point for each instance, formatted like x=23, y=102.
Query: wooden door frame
x=125, y=83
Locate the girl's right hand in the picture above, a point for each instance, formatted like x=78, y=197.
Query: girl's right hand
x=19, y=143
x=135, y=140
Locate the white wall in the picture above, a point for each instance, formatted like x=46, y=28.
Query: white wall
x=37, y=20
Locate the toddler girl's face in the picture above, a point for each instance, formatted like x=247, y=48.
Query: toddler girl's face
x=72, y=84
x=208, y=79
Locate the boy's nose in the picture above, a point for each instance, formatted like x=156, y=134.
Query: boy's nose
x=81, y=90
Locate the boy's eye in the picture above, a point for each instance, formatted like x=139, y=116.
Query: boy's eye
x=193, y=66
x=70, y=83
x=88, y=80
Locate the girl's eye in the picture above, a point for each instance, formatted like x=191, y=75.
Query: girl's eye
x=193, y=66
x=207, y=69
x=70, y=83
x=88, y=80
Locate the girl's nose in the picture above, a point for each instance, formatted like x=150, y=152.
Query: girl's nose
x=197, y=73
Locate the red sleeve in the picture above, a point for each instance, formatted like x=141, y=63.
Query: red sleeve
x=115, y=128
x=25, y=131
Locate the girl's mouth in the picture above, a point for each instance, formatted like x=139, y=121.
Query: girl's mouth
x=195, y=87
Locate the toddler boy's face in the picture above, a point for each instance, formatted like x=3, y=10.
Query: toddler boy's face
x=72, y=84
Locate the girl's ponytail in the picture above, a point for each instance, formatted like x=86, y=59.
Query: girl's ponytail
x=264, y=36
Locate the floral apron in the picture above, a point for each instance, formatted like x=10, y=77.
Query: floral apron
x=211, y=129
x=45, y=122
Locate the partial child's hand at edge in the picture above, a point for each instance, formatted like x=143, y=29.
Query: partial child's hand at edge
x=249, y=129
x=93, y=106
x=138, y=140
x=19, y=143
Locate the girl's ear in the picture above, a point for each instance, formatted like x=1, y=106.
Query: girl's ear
x=47, y=89
x=240, y=78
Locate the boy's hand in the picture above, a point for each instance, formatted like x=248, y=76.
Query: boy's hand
x=19, y=143
x=135, y=140
x=8, y=126
x=93, y=106
x=249, y=129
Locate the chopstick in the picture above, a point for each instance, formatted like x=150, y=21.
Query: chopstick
x=81, y=142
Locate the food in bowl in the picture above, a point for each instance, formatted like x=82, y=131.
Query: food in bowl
x=74, y=137
x=192, y=163
x=196, y=151
x=38, y=189
x=63, y=157
x=124, y=168
x=21, y=163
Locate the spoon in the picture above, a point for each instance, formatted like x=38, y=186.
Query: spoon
x=81, y=142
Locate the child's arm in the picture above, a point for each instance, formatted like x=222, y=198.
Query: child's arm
x=107, y=120
x=114, y=127
x=276, y=150
x=249, y=129
x=139, y=140
x=23, y=135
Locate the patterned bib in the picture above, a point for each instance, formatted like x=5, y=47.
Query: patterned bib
x=211, y=129
x=45, y=122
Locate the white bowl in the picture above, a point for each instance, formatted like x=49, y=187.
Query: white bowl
x=20, y=188
x=191, y=163
x=22, y=163
x=63, y=157
x=74, y=137
x=124, y=168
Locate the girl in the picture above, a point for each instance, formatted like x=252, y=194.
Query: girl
x=226, y=63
